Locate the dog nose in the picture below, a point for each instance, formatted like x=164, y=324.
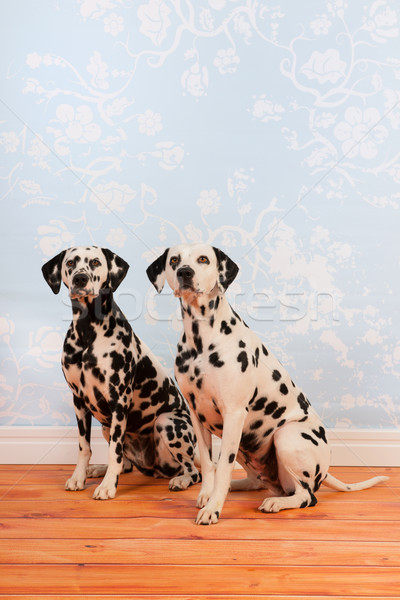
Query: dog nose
x=185, y=273
x=80, y=280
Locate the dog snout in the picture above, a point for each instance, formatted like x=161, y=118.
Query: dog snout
x=185, y=274
x=80, y=280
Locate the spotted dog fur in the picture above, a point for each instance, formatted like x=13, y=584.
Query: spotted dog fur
x=239, y=391
x=115, y=377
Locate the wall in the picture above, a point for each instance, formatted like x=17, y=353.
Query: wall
x=267, y=129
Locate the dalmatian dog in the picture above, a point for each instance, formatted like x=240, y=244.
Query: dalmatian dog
x=116, y=378
x=239, y=391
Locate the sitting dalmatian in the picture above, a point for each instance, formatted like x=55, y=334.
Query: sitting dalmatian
x=238, y=390
x=115, y=377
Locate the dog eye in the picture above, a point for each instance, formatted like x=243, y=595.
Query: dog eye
x=95, y=262
x=204, y=260
x=173, y=260
x=70, y=263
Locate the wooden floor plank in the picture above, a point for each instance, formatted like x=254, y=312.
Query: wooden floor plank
x=147, y=492
x=54, y=476
x=184, y=597
x=188, y=552
x=171, y=508
x=227, y=579
x=262, y=529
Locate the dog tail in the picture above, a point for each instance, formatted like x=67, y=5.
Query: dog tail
x=335, y=484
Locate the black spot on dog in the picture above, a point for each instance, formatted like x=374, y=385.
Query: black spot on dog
x=242, y=358
x=215, y=360
x=321, y=434
x=250, y=443
x=268, y=432
x=276, y=375
x=253, y=396
x=279, y=412
x=231, y=458
x=303, y=403
x=270, y=408
x=225, y=328
x=283, y=389
x=256, y=424
x=259, y=404
x=306, y=436
x=265, y=351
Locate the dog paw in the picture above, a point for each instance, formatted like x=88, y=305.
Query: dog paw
x=271, y=505
x=104, y=492
x=74, y=485
x=96, y=471
x=207, y=516
x=182, y=482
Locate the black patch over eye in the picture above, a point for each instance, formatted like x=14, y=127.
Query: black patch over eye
x=70, y=263
x=95, y=262
x=173, y=260
x=203, y=260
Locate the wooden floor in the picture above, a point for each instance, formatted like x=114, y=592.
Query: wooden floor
x=144, y=543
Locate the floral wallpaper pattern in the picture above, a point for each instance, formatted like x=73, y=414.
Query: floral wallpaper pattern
x=267, y=128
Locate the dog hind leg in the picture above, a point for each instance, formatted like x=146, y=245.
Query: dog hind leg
x=174, y=442
x=302, y=465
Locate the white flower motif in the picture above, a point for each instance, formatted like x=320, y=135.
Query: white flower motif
x=381, y=23
x=155, y=20
x=38, y=150
x=242, y=27
x=209, y=201
x=150, y=122
x=112, y=196
x=78, y=127
x=10, y=141
x=266, y=110
x=116, y=237
x=193, y=234
x=195, y=80
x=46, y=345
x=113, y=24
x=360, y=133
x=171, y=155
x=95, y=8
x=33, y=60
x=226, y=61
x=321, y=25
x=98, y=70
x=324, y=66
x=55, y=236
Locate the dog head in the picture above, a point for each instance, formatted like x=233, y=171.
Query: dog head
x=192, y=269
x=85, y=271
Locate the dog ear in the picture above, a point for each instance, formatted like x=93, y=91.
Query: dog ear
x=117, y=268
x=226, y=267
x=52, y=272
x=156, y=271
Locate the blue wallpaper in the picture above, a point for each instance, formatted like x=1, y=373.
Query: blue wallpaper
x=268, y=129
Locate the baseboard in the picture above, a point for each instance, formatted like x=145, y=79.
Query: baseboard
x=59, y=445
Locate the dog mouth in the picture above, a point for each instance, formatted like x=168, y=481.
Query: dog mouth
x=80, y=293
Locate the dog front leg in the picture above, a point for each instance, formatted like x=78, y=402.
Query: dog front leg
x=84, y=420
x=231, y=435
x=108, y=487
x=206, y=465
